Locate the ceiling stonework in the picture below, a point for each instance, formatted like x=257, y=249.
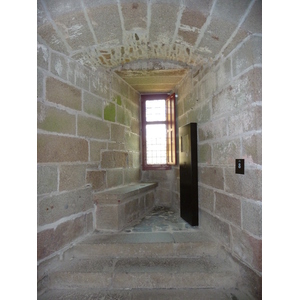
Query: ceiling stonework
x=116, y=33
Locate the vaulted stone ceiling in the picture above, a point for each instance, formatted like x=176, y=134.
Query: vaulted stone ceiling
x=150, y=43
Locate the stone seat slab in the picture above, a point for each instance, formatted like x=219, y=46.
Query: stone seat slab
x=120, y=194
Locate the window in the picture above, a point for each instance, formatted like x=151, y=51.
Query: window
x=158, y=131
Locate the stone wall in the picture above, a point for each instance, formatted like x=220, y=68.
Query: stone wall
x=87, y=141
x=225, y=100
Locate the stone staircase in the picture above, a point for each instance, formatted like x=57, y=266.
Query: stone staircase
x=146, y=265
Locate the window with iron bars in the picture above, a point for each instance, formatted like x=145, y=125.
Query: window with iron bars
x=158, y=131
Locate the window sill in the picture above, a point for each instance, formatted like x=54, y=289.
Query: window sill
x=156, y=167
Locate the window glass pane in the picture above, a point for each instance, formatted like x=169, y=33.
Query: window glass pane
x=156, y=144
x=155, y=110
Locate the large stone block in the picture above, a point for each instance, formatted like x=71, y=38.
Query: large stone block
x=71, y=177
x=247, y=120
x=204, y=153
x=215, y=227
x=134, y=108
x=92, y=104
x=105, y=18
x=252, y=217
x=162, y=30
x=247, y=248
x=208, y=86
x=194, y=18
x=97, y=178
x=206, y=198
x=51, y=240
x=243, y=91
x=122, y=206
x=164, y=197
x=225, y=153
x=59, y=65
x=131, y=175
x=135, y=126
x=61, y=93
x=47, y=178
x=248, y=185
x=253, y=22
x=53, y=148
x=252, y=148
x=221, y=29
x=212, y=176
x=223, y=74
x=99, y=84
x=55, y=120
x=50, y=36
x=119, y=85
x=93, y=128
x=228, y=208
x=135, y=15
x=110, y=217
x=249, y=54
x=78, y=32
x=123, y=116
x=79, y=75
x=132, y=141
x=114, y=159
x=236, y=41
x=54, y=207
x=131, y=210
x=110, y=112
x=187, y=36
x=252, y=118
x=115, y=177
x=95, y=150
x=213, y=130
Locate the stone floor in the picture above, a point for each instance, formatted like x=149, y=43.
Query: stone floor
x=161, y=219
x=162, y=257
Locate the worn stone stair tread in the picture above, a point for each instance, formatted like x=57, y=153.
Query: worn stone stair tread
x=145, y=294
x=147, y=237
x=158, y=244
x=144, y=264
x=172, y=272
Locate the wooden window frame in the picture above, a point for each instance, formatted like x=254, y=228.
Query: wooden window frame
x=170, y=122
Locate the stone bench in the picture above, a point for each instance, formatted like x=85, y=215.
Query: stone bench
x=120, y=207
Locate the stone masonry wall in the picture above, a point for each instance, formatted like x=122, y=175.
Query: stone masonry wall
x=87, y=141
x=225, y=100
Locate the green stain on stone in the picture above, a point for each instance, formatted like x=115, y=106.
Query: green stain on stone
x=110, y=112
x=118, y=100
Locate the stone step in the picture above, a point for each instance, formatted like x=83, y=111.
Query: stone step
x=133, y=273
x=146, y=244
x=145, y=294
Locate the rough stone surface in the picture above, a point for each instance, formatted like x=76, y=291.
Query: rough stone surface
x=120, y=207
x=62, y=93
x=228, y=208
x=55, y=120
x=71, y=177
x=52, y=148
x=54, y=207
x=51, y=240
x=212, y=176
x=47, y=179
x=211, y=49
x=93, y=128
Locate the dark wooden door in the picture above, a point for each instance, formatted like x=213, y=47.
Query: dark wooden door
x=188, y=174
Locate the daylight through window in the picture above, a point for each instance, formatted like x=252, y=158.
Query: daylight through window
x=158, y=131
